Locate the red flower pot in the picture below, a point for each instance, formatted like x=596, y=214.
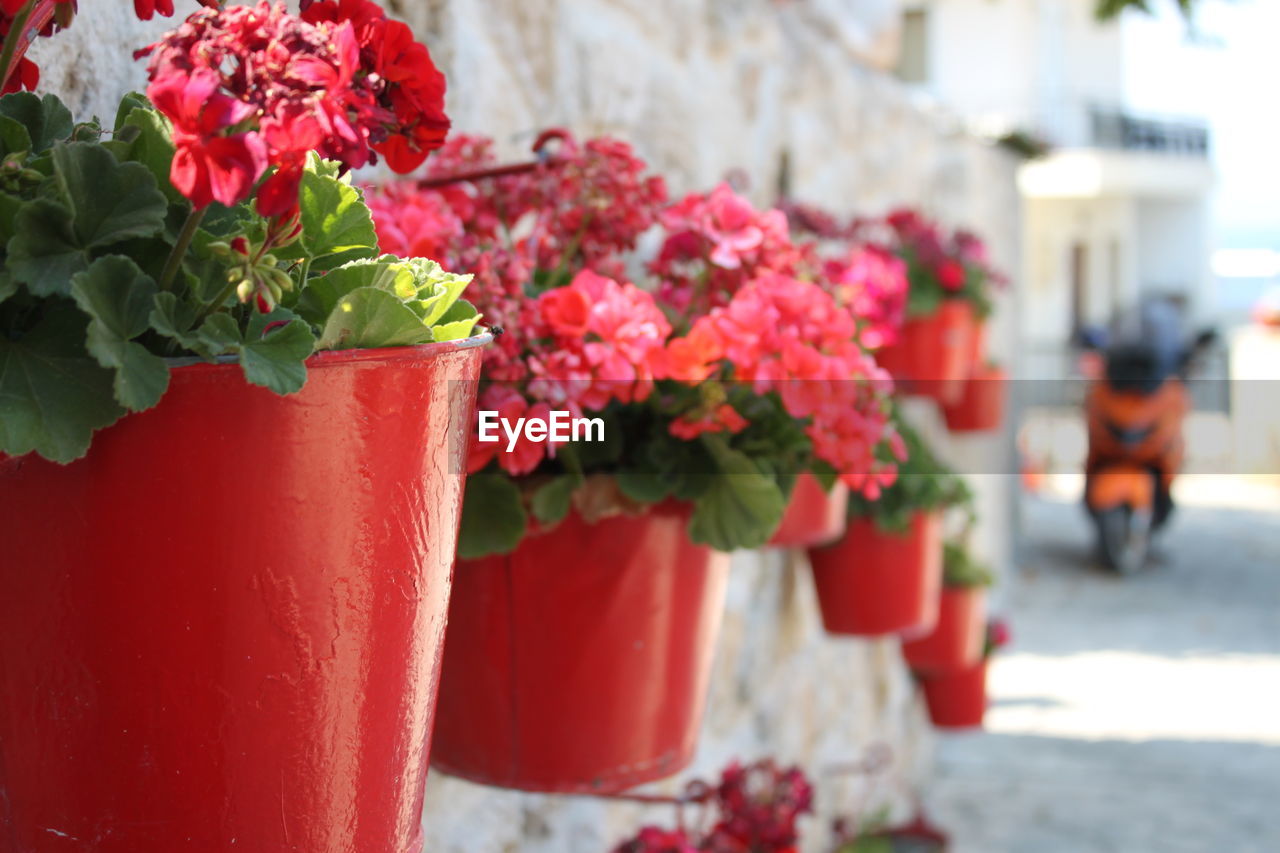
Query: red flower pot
x=873, y=583
x=580, y=662
x=980, y=406
x=813, y=516
x=957, y=700
x=956, y=640
x=222, y=626
x=932, y=356
x=977, y=346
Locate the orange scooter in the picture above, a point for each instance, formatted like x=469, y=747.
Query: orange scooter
x=1134, y=408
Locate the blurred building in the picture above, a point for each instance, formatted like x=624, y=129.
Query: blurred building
x=1118, y=209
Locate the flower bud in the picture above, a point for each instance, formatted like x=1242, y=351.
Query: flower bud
x=281, y=278
x=63, y=13
x=245, y=289
x=273, y=288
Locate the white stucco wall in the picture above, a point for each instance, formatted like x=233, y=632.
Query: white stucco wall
x=1024, y=64
x=1174, y=244
x=701, y=87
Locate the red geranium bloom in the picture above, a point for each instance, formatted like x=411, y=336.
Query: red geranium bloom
x=653, y=839
x=406, y=118
x=26, y=75
x=951, y=274
x=723, y=418
x=254, y=88
x=146, y=9
x=208, y=167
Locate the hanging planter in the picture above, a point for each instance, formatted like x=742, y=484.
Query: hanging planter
x=224, y=622
x=955, y=642
x=813, y=515
x=981, y=404
x=580, y=662
x=931, y=355
x=977, y=357
x=951, y=288
x=875, y=583
x=957, y=700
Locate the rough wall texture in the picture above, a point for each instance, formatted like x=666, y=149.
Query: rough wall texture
x=780, y=687
x=703, y=88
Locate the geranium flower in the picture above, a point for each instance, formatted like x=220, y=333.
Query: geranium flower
x=652, y=839
x=26, y=75
x=951, y=274
x=510, y=406
x=567, y=310
x=717, y=242
x=723, y=418
x=406, y=119
x=759, y=805
x=694, y=357
x=871, y=282
x=146, y=9
x=342, y=81
x=207, y=166
x=783, y=335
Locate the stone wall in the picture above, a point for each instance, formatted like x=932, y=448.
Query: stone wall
x=703, y=88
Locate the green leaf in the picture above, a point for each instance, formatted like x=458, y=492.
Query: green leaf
x=219, y=334
x=551, y=501
x=10, y=206
x=740, y=507
x=824, y=473
x=150, y=145
x=276, y=361
x=47, y=120
x=368, y=317
x=493, y=517
x=324, y=168
x=8, y=286
x=14, y=137
x=130, y=102
x=643, y=486
x=334, y=216
x=436, y=290
x=118, y=297
x=457, y=323
x=87, y=131
x=924, y=483
x=322, y=293
x=44, y=252
x=109, y=201
x=52, y=394
x=174, y=319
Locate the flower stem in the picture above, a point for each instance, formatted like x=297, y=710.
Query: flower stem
x=215, y=304
x=180, y=247
x=12, y=38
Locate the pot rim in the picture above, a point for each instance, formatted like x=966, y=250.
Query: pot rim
x=336, y=357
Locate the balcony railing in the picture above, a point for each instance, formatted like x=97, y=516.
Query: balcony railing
x=1127, y=132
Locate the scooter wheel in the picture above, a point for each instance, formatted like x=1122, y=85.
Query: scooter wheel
x=1124, y=539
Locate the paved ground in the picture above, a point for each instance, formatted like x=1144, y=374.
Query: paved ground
x=1138, y=715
